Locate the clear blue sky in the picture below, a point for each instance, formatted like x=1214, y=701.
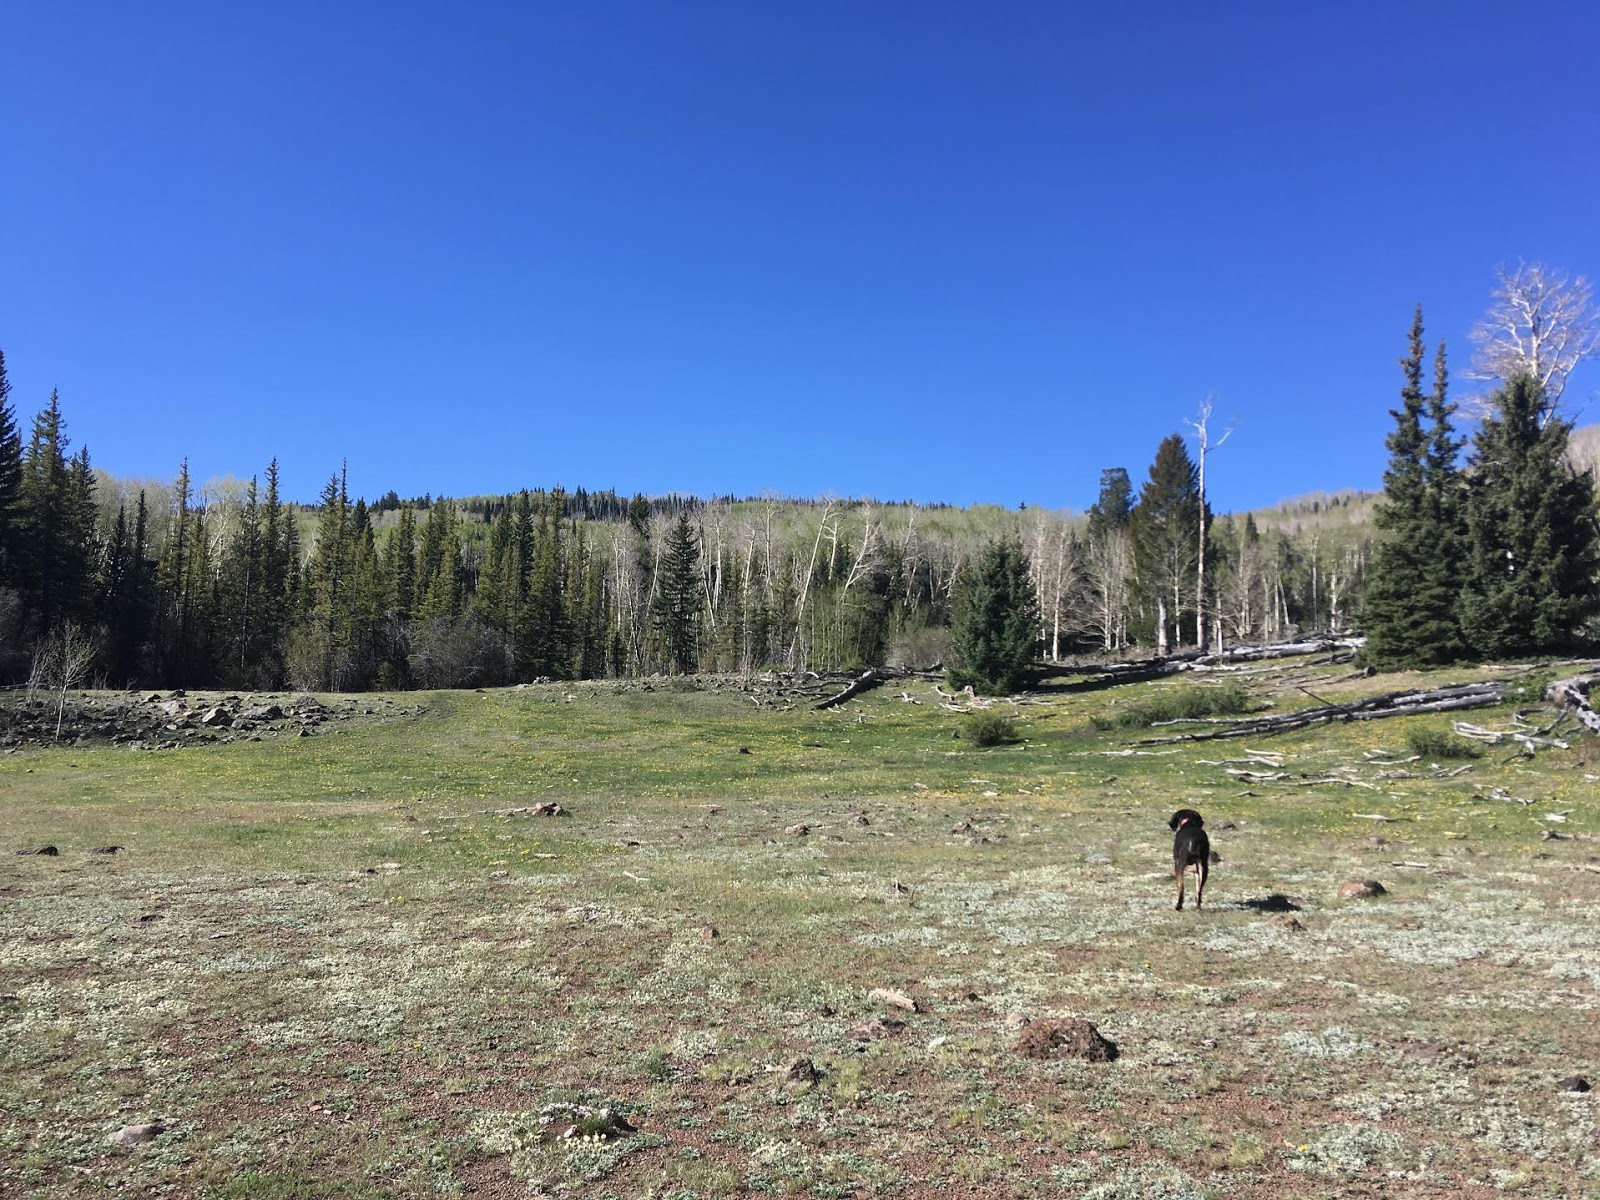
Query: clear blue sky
x=907, y=250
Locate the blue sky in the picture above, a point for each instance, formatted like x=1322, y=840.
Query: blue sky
x=930, y=251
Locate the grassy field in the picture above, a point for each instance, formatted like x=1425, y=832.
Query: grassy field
x=328, y=966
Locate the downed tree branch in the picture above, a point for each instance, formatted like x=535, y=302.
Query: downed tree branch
x=1390, y=704
x=870, y=678
x=1574, y=695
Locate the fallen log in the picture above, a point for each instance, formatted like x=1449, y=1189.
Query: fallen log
x=1373, y=708
x=870, y=678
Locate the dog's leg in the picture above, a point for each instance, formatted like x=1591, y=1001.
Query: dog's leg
x=1178, y=874
x=1202, y=869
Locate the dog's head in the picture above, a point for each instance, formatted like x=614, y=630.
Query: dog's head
x=1185, y=816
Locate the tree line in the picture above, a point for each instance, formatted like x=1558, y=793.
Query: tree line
x=233, y=586
x=236, y=587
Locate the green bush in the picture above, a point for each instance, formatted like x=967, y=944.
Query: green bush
x=990, y=729
x=1435, y=743
x=1228, y=700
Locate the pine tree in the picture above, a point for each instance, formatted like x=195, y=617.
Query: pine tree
x=402, y=566
x=1531, y=539
x=677, y=605
x=55, y=524
x=996, y=629
x=1166, y=535
x=329, y=582
x=280, y=573
x=10, y=483
x=1409, y=617
x=126, y=591
x=1112, y=508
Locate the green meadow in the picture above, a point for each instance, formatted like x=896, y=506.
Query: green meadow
x=346, y=965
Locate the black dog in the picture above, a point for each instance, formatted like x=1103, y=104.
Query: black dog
x=1190, y=848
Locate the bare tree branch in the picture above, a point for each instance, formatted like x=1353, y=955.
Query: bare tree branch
x=1540, y=324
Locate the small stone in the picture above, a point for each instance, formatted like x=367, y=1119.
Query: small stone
x=1361, y=889
x=1098, y=860
x=217, y=718
x=498, y=874
x=802, y=1073
x=137, y=1135
x=964, y=829
x=1225, y=826
x=1063, y=1037
x=548, y=809
x=708, y=933
x=104, y=849
x=1291, y=923
x=1215, y=858
x=799, y=829
x=861, y=818
x=1572, y=1083
x=48, y=851
x=896, y=999
x=744, y=749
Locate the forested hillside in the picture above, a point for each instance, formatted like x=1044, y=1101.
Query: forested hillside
x=158, y=583
x=128, y=582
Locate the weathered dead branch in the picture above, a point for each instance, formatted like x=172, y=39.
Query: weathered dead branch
x=1573, y=694
x=1373, y=708
x=869, y=678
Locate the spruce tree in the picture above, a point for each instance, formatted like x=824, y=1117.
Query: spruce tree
x=1166, y=535
x=402, y=567
x=1531, y=539
x=1409, y=617
x=677, y=604
x=1112, y=508
x=329, y=579
x=10, y=482
x=996, y=630
x=55, y=527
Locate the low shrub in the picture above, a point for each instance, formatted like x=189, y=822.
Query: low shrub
x=990, y=729
x=1189, y=703
x=1436, y=743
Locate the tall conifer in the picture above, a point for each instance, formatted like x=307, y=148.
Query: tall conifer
x=1531, y=537
x=677, y=604
x=1410, y=613
x=10, y=482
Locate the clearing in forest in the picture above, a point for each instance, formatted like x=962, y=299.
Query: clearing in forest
x=779, y=950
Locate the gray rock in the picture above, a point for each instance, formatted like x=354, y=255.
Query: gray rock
x=137, y=1135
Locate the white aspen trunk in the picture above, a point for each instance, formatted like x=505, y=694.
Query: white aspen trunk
x=1161, y=624
x=805, y=591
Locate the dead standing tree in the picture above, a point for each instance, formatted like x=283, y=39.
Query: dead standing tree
x=1203, y=437
x=1540, y=324
x=62, y=662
